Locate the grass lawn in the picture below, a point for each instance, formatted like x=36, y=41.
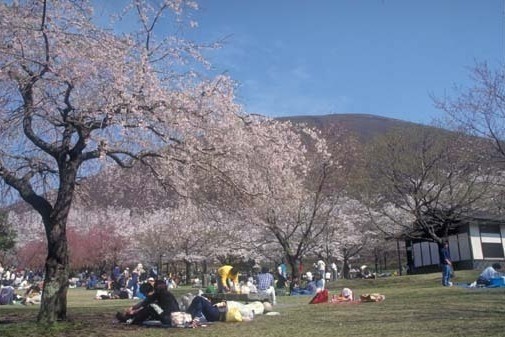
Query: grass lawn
x=414, y=306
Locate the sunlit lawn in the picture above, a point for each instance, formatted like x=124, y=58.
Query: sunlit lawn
x=414, y=306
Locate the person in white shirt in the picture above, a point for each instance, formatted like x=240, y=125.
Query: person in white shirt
x=334, y=271
x=488, y=274
x=321, y=268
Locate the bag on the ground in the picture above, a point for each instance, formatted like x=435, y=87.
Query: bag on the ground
x=180, y=319
x=7, y=295
x=233, y=315
x=372, y=297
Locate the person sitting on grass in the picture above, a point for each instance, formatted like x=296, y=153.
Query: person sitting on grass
x=7, y=295
x=158, y=305
x=211, y=288
x=488, y=274
x=265, y=283
x=313, y=287
x=33, y=295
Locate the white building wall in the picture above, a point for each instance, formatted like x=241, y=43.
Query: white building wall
x=502, y=230
x=416, y=253
x=475, y=240
x=435, y=255
x=427, y=253
x=464, y=247
x=425, y=249
x=454, y=248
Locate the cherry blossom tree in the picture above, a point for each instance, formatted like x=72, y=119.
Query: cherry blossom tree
x=31, y=254
x=287, y=211
x=97, y=247
x=349, y=233
x=300, y=222
x=76, y=97
x=179, y=234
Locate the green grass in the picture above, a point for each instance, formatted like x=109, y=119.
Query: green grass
x=414, y=306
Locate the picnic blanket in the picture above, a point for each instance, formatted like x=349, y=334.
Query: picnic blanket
x=474, y=285
x=158, y=324
x=320, y=297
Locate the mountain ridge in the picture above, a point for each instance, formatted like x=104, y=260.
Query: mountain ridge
x=365, y=126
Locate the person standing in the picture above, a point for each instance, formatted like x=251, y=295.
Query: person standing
x=139, y=270
x=321, y=268
x=446, y=263
x=282, y=269
x=334, y=271
x=265, y=284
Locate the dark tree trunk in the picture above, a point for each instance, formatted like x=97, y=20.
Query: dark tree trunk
x=346, y=269
x=53, y=306
x=188, y=272
x=376, y=262
x=294, y=264
x=400, y=269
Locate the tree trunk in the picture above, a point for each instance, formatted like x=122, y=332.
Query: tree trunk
x=294, y=264
x=400, y=269
x=53, y=305
x=376, y=262
x=188, y=272
x=345, y=268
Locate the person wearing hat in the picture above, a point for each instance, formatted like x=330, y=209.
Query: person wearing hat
x=488, y=274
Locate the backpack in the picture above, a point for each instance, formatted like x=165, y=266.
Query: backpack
x=6, y=295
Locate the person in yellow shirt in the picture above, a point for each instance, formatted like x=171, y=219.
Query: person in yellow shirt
x=226, y=275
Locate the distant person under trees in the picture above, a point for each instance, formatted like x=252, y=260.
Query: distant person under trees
x=265, y=284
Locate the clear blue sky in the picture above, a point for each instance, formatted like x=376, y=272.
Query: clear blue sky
x=381, y=57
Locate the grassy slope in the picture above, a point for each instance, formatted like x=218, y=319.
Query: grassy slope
x=414, y=306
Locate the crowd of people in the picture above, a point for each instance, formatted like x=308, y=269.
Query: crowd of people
x=159, y=303
x=126, y=283
x=20, y=286
x=19, y=278
x=161, y=307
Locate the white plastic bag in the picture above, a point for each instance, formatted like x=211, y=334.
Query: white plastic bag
x=180, y=319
